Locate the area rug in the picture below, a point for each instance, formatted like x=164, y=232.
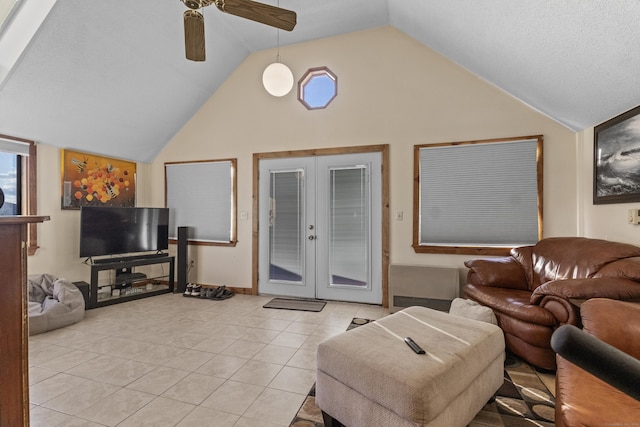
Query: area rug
x=295, y=304
x=523, y=399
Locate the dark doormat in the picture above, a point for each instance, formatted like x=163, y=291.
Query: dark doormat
x=295, y=304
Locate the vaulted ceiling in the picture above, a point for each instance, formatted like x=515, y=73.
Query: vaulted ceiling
x=110, y=76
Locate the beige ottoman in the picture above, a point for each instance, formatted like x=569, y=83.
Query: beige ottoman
x=369, y=377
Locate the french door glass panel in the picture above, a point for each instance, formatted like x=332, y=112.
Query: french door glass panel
x=286, y=226
x=287, y=205
x=349, y=227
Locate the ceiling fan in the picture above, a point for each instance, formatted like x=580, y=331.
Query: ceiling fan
x=259, y=12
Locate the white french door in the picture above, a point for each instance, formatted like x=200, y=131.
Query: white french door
x=320, y=227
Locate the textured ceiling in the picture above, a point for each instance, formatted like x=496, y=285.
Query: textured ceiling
x=110, y=76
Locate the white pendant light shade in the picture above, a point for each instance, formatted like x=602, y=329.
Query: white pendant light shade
x=277, y=79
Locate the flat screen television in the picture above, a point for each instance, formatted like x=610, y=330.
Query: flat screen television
x=108, y=230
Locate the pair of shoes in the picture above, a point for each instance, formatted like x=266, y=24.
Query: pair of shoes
x=216, y=291
x=196, y=290
x=225, y=294
x=187, y=292
x=208, y=292
x=221, y=293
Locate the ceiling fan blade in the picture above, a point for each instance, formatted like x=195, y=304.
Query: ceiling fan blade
x=259, y=12
x=194, y=35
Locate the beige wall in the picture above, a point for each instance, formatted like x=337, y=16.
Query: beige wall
x=59, y=238
x=391, y=90
x=600, y=221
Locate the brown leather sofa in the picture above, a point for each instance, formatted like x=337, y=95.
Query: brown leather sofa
x=583, y=399
x=539, y=288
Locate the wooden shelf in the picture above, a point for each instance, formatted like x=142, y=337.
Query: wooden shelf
x=160, y=284
x=14, y=318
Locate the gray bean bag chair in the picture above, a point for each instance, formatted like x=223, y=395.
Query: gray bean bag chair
x=53, y=303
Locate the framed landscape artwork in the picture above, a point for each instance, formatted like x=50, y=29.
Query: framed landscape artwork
x=92, y=180
x=616, y=162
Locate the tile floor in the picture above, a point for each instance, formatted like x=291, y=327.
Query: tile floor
x=174, y=361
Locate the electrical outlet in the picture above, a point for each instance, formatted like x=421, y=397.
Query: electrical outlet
x=633, y=216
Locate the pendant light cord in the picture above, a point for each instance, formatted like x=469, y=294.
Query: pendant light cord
x=278, y=38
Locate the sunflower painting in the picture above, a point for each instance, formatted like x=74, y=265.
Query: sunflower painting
x=92, y=180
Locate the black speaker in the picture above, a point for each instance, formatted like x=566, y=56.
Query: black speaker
x=183, y=261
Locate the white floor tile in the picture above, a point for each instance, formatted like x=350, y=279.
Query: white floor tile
x=275, y=406
x=161, y=412
x=201, y=416
x=295, y=380
x=52, y=387
x=189, y=360
x=39, y=374
x=222, y=366
x=275, y=354
x=257, y=372
x=80, y=397
x=305, y=359
x=116, y=407
x=287, y=339
x=194, y=388
x=222, y=363
x=68, y=360
x=233, y=397
x=158, y=380
x=243, y=349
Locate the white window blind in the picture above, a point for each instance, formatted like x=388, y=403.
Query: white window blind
x=14, y=147
x=200, y=195
x=286, y=228
x=350, y=229
x=479, y=194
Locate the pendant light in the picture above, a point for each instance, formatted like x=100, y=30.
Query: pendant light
x=277, y=78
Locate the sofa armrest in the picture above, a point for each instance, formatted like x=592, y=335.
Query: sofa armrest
x=564, y=311
x=614, y=322
x=499, y=272
x=627, y=268
x=605, y=287
x=602, y=360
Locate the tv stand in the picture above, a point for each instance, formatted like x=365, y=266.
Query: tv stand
x=129, y=285
x=127, y=258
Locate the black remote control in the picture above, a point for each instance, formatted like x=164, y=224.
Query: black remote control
x=415, y=347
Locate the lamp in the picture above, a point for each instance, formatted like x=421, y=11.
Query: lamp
x=277, y=78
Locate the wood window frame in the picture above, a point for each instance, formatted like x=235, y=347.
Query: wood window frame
x=29, y=186
x=471, y=250
x=234, y=203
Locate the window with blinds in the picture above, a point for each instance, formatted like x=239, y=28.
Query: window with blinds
x=12, y=152
x=10, y=184
x=478, y=197
x=18, y=179
x=202, y=195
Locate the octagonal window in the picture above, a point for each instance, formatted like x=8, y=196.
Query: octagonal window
x=317, y=88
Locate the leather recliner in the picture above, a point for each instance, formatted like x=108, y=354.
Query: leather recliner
x=599, y=386
x=540, y=288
